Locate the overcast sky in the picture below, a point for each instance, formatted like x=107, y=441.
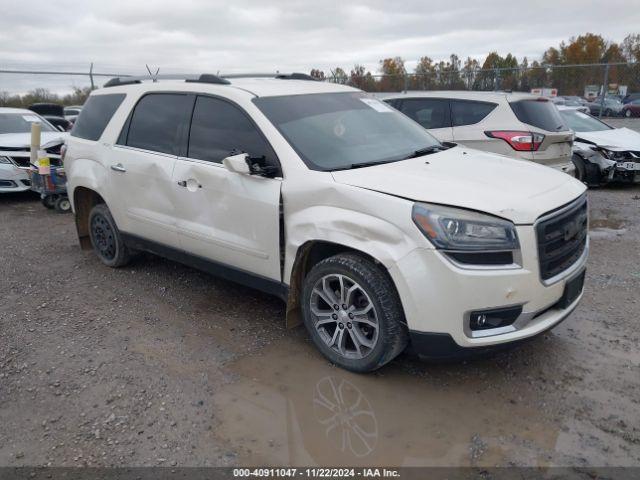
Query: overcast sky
x=283, y=35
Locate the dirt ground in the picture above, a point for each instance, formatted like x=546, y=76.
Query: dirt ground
x=159, y=364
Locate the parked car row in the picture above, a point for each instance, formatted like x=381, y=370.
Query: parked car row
x=528, y=127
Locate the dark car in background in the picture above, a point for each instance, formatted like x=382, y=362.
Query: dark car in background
x=631, y=109
x=54, y=114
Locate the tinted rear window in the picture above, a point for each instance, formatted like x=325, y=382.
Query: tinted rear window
x=95, y=115
x=156, y=122
x=468, y=112
x=539, y=113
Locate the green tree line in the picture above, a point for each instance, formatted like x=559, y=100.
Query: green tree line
x=506, y=72
x=41, y=95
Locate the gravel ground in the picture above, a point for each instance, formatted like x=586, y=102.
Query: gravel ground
x=159, y=364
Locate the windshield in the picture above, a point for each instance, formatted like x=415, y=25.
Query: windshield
x=581, y=122
x=332, y=131
x=21, y=123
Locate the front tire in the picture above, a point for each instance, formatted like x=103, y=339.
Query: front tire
x=627, y=113
x=353, y=313
x=106, y=239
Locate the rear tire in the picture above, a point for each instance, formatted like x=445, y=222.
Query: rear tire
x=371, y=331
x=581, y=171
x=627, y=113
x=106, y=239
x=607, y=113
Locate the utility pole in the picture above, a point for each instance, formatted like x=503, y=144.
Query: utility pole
x=93, y=87
x=605, y=86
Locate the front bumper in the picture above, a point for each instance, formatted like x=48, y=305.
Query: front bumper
x=438, y=296
x=627, y=172
x=13, y=179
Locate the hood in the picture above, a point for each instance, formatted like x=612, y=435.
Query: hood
x=15, y=141
x=618, y=139
x=518, y=190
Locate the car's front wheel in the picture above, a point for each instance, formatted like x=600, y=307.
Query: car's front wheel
x=627, y=113
x=353, y=312
x=106, y=239
x=580, y=172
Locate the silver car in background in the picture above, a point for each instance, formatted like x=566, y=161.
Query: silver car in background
x=518, y=125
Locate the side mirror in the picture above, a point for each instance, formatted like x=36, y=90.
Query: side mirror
x=237, y=163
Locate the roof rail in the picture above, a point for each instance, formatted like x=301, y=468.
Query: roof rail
x=192, y=78
x=281, y=76
x=117, y=81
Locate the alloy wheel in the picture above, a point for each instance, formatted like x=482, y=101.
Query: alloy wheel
x=344, y=316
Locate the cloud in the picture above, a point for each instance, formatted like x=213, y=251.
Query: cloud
x=287, y=35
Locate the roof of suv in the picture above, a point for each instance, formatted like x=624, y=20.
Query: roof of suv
x=259, y=87
x=461, y=94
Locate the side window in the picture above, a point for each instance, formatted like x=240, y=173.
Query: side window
x=428, y=112
x=394, y=102
x=156, y=121
x=468, y=112
x=95, y=115
x=219, y=128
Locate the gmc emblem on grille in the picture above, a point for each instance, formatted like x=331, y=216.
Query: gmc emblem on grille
x=571, y=229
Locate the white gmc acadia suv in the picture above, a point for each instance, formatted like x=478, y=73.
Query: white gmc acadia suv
x=375, y=234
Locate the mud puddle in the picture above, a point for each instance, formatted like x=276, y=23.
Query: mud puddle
x=606, y=223
x=290, y=407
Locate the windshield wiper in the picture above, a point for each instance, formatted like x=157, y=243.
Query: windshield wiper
x=425, y=151
x=417, y=153
x=365, y=164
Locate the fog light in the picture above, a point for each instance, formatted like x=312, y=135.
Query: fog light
x=494, y=318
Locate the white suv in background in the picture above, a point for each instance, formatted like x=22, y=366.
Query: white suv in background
x=519, y=125
x=375, y=233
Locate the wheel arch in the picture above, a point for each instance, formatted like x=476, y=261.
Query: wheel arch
x=309, y=254
x=84, y=199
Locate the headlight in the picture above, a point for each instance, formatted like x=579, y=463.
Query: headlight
x=5, y=160
x=458, y=230
x=616, y=156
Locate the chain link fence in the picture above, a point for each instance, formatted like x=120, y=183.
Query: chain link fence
x=580, y=80
x=587, y=81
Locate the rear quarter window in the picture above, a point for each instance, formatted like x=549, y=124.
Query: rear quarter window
x=469, y=112
x=539, y=113
x=95, y=115
x=156, y=122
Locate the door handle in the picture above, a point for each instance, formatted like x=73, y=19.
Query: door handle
x=118, y=167
x=191, y=184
